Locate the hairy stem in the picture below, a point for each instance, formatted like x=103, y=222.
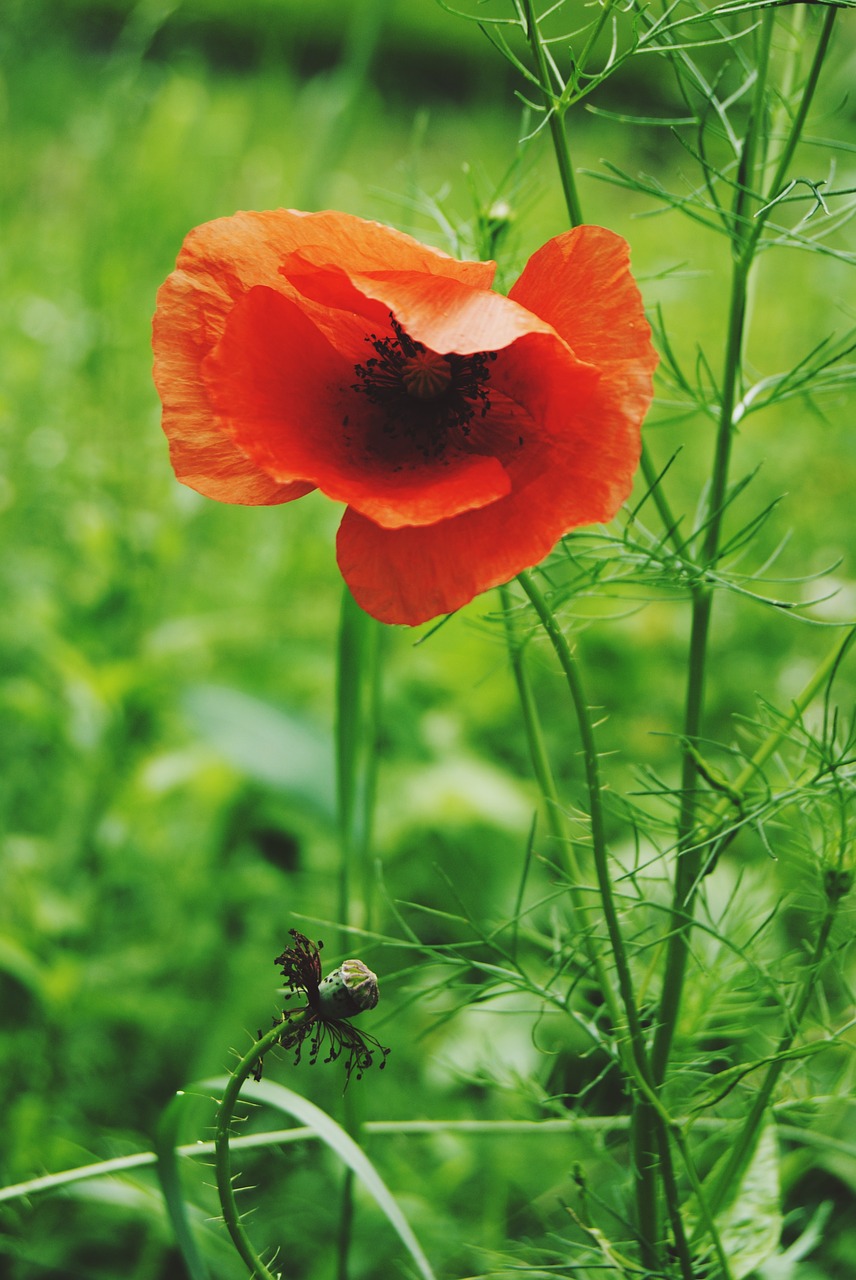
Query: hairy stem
x=591, y=763
x=358, y=671
x=222, y=1154
x=358, y=682
x=746, y=237
x=636, y=1063
x=556, y=821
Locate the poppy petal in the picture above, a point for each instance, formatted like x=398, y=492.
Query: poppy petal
x=577, y=452
x=580, y=283
x=444, y=314
x=202, y=456
x=287, y=399
x=218, y=262
x=268, y=390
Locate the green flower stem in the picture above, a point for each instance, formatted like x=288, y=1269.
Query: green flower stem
x=636, y=1066
x=358, y=671
x=222, y=1154
x=691, y=849
x=358, y=684
x=568, y=664
x=754, y=140
x=553, y=811
x=556, y=117
x=689, y=853
x=797, y=125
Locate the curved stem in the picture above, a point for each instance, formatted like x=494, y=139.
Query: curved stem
x=636, y=1065
x=690, y=850
x=553, y=812
x=222, y=1154
x=568, y=664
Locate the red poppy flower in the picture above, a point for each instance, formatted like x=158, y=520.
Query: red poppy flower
x=464, y=431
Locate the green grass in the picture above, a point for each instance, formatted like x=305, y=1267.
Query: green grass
x=167, y=687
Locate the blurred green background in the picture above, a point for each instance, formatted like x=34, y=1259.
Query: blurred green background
x=167, y=678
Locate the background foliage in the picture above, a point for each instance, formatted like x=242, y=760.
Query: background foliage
x=166, y=684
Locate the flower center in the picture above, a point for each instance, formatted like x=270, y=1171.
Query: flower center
x=424, y=396
x=426, y=375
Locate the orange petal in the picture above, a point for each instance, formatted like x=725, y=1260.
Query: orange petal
x=217, y=264
x=202, y=456
x=578, y=450
x=286, y=397
x=445, y=314
x=580, y=283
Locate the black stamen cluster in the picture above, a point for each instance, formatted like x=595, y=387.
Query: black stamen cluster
x=301, y=969
x=425, y=423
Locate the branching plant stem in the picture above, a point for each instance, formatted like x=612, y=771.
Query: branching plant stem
x=556, y=117
x=652, y=1155
x=690, y=852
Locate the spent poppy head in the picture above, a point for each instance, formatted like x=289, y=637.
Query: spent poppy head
x=331, y=1002
x=464, y=431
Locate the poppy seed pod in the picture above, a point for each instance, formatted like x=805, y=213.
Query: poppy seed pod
x=330, y=1003
x=347, y=991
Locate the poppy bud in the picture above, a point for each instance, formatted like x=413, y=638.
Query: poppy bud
x=347, y=991
x=496, y=224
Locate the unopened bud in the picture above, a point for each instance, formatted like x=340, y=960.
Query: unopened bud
x=347, y=991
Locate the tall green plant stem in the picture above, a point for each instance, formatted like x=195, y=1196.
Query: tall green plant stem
x=553, y=812
x=645, y=1168
x=692, y=850
x=570, y=670
x=747, y=232
x=357, y=716
x=632, y=1048
x=358, y=672
x=689, y=855
x=222, y=1154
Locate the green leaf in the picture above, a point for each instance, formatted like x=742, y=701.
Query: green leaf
x=268, y=745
